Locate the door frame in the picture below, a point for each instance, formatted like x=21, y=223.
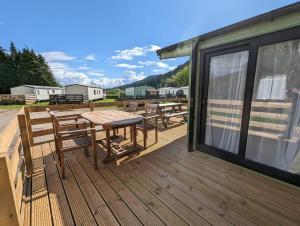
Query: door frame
x=253, y=45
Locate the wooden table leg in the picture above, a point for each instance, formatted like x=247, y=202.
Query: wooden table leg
x=134, y=135
x=108, y=146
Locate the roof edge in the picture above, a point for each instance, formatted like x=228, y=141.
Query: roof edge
x=268, y=16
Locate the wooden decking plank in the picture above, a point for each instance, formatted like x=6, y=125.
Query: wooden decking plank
x=61, y=213
x=237, y=190
x=144, y=213
x=199, y=196
x=286, y=192
x=99, y=209
x=244, y=185
x=178, y=207
x=207, y=214
x=115, y=203
x=80, y=210
x=264, y=183
x=156, y=205
x=257, y=208
x=142, y=186
x=226, y=200
x=40, y=207
x=27, y=202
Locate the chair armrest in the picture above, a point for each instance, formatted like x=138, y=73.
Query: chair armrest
x=72, y=123
x=76, y=131
x=68, y=117
x=151, y=117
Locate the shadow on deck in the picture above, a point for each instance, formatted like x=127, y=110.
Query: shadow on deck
x=164, y=184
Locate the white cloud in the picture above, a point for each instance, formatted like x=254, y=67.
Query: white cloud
x=129, y=66
x=153, y=48
x=98, y=73
x=68, y=75
x=90, y=57
x=84, y=68
x=129, y=54
x=133, y=76
x=57, y=56
x=160, y=65
x=109, y=82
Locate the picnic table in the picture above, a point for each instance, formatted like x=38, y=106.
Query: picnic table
x=110, y=120
x=169, y=110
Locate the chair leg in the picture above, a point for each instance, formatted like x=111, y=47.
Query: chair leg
x=125, y=133
x=62, y=164
x=94, y=146
x=156, y=135
x=86, y=151
x=145, y=138
x=130, y=133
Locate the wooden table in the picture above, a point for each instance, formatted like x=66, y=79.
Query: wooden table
x=176, y=110
x=111, y=119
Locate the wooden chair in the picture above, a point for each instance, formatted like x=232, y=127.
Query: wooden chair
x=150, y=122
x=133, y=107
x=71, y=140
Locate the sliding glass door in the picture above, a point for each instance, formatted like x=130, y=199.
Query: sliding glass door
x=275, y=140
x=249, y=103
x=225, y=94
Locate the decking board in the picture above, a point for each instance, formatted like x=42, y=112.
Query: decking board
x=163, y=184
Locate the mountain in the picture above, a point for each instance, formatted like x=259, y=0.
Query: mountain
x=154, y=80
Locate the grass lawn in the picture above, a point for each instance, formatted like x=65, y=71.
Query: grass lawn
x=19, y=106
x=105, y=101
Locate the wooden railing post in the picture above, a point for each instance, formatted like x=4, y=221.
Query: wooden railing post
x=25, y=143
x=29, y=126
x=91, y=106
x=9, y=211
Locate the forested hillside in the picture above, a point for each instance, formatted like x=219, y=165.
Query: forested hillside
x=177, y=77
x=19, y=67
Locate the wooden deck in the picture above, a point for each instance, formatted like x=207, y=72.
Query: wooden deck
x=164, y=185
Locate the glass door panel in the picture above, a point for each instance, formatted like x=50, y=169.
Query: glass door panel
x=226, y=87
x=274, y=127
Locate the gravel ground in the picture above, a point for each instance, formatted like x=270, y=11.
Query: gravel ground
x=5, y=117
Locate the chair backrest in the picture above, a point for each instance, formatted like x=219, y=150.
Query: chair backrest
x=151, y=110
x=55, y=122
x=133, y=107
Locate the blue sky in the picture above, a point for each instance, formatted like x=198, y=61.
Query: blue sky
x=113, y=42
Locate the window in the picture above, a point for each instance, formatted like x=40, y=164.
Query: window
x=94, y=92
x=277, y=78
x=272, y=88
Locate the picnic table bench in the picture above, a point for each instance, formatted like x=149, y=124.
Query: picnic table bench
x=175, y=110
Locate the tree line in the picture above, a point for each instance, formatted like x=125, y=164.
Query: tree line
x=23, y=67
x=181, y=78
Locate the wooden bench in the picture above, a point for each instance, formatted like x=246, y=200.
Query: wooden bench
x=167, y=117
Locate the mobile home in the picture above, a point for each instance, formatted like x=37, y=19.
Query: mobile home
x=136, y=92
x=245, y=92
x=89, y=92
x=41, y=92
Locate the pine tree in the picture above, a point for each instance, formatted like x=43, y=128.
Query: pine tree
x=23, y=68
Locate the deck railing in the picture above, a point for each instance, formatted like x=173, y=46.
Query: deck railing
x=34, y=122
x=267, y=119
x=14, y=150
